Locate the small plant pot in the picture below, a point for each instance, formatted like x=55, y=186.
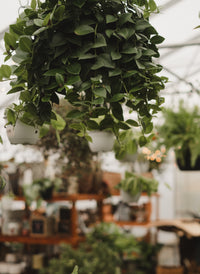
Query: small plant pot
x=128, y=198
x=101, y=141
x=22, y=133
x=187, y=165
x=47, y=193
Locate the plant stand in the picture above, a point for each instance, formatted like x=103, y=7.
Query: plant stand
x=169, y=270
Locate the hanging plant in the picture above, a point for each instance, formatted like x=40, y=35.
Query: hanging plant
x=97, y=54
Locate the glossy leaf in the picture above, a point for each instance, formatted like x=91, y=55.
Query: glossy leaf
x=5, y=71
x=10, y=40
x=157, y=39
x=25, y=43
x=74, y=68
x=110, y=18
x=100, y=92
x=114, y=72
x=73, y=79
x=100, y=41
x=59, y=79
x=83, y=30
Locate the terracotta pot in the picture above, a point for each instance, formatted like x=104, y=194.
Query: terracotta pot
x=22, y=133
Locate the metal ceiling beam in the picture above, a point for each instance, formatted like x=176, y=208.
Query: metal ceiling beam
x=182, y=80
x=175, y=46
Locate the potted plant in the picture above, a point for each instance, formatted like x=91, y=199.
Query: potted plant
x=23, y=128
x=98, y=55
x=40, y=189
x=102, y=252
x=75, y=157
x=102, y=140
x=180, y=131
x=126, y=145
x=134, y=184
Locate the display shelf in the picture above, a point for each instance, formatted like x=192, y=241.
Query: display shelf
x=42, y=240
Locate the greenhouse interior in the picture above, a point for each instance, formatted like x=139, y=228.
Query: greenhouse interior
x=86, y=173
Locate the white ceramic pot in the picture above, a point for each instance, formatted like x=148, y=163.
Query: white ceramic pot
x=127, y=198
x=101, y=141
x=22, y=133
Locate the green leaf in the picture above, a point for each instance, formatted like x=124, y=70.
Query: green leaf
x=129, y=50
x=47, y=19
x=5, y=71
x=59, y=12
x=83, y=30
x=74, y=68
x=139, y=65
x=114, y=72
x=148, y=127
x=109, y=32
x=52, y=72
x=17, y=28
x=39, y=31
x=96, y=78
x=86, y=56
x=117, y=97
x=10, y=40
x=33, y=4
x=78, y=3
x=75, y=270
x=124, y=18
x=10, y=114
x=115, y=55
x=142, y=25
x=103, y=60
x=110, y=18
x=100, y=41
x=59, y=79
x=126, y=33
x=15, y=89
x=38, y=22
x=152, y=5
x=130, y=73
x=74, y=114
x=73, y=79
x=25, y=96
x=123, y=126
x=132, y=123
x=59, y=123
x=142, y=140
x=157, y=39
x=1, y=141
x=25, y=43
x=117, y=111
x=100, y=92
x=149, y=52
x=98, y=101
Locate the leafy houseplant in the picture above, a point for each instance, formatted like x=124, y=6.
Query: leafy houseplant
x=102, y=252
x=133, y=185
x=97, y=54
x=181, y=131
x=40, y=189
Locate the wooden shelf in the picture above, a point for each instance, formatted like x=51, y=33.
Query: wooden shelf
x=69, y=197
x=42, y=240
x=131, y=223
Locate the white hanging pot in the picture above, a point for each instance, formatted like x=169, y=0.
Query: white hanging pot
x=22, y=133
x=101, y=141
